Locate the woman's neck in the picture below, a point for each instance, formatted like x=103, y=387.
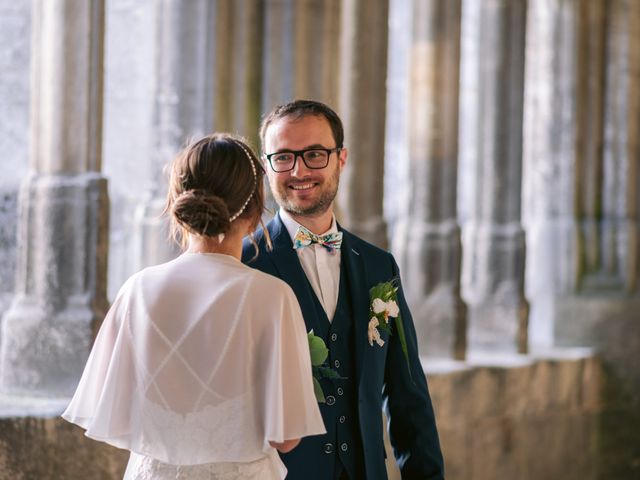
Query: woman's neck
x=231, y=245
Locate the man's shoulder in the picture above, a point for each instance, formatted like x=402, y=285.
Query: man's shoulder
x=363, y=247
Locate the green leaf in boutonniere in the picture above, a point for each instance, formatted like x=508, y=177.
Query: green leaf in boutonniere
x=319, y=353
x=384, y=306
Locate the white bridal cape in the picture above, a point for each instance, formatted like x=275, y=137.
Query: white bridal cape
x=201, y=360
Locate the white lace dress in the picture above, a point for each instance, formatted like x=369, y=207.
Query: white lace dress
x=199, y=363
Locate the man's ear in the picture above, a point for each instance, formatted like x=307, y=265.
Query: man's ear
x=342, y=158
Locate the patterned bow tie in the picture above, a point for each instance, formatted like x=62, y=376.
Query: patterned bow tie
x=331, y=241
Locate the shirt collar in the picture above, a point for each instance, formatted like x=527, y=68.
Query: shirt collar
x=292, y=226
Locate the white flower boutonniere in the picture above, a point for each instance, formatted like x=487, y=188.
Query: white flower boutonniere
x=384, y=306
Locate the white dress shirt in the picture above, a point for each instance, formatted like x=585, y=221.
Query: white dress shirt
x=321, y=267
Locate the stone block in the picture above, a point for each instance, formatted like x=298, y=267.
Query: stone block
x=517, y=390
x=520, y=417
x=566, y=386
x=53, y=449
x=483, y=398
x=540, y=389
x=492, y=449
x=591, y=385
x=455, y=449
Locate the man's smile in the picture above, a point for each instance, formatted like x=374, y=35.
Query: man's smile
x=303, y=186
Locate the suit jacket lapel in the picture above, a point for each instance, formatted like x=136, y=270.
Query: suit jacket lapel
x=354, y=263
x=288, y=266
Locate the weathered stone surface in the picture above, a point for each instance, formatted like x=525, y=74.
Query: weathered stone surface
x=581, y=188
x=183, y=110
x=525, y=417
x=427, y=237
x=60, y=287
x=8, y=241
x=362, y=108
x=59, y=299
x=53, y=449
x=292, y=31
x=238, y=66
x=129, y=144
x=15, y=55
x=493, y=268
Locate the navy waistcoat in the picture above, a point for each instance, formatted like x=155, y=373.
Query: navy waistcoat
x=341, y=446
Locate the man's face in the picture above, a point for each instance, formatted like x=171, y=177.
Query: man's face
x=303, y=191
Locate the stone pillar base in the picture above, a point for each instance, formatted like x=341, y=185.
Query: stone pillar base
x=8, y=227
x=494, y=288
x=440, y=322
x=44, y=353
x=60, y=289
x=429, y=255
x=497, y=326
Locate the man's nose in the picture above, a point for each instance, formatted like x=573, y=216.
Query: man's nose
x=299, y=167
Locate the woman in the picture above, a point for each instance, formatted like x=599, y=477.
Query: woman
x=201, y=368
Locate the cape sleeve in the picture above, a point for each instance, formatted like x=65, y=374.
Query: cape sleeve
x=290, y=407
x=100, y=410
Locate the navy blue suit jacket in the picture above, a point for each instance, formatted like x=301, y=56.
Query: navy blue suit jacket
x=381, y=372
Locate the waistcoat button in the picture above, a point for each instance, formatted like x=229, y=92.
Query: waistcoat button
x=331, y=400
x=344, y=447
x=328, y=448
x=334, y=337
x=342, y=419
x=337, y=363
x=340, y=391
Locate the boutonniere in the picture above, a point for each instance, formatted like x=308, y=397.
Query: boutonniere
x=383, y=308
x=319, y=353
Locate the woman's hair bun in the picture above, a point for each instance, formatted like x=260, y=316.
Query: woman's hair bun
x=202, y=213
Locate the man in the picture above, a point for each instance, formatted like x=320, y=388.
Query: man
x=304, y=155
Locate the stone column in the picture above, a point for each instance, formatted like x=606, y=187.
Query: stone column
x=183, y=110
x=362, y=93
x=582, y=151
x=427, y=236
x=15, y=35
x=237, y=66
x=128, y=137
x=60, y=287
x=621, y=152
x=494, y=244
x=301, y=41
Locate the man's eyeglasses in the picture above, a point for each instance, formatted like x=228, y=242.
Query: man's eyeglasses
x=313, y=158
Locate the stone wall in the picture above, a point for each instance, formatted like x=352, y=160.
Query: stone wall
x=52, y=449
x=524, y=417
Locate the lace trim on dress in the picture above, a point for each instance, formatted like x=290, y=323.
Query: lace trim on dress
x=145, y=468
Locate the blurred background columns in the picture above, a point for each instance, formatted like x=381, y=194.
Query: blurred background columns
x=427, y=235
x=362, y=101
x=60, y=292
x=493, y=275
x=183, y=109
x=301, y=50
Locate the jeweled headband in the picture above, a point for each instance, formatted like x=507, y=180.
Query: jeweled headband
x=255, y=183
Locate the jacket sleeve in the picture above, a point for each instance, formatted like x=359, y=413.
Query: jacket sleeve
x=407, y=403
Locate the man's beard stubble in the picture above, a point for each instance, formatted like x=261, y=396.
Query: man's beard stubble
x=323, y=203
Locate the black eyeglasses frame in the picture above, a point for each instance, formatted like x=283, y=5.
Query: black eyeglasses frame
x=300, y=153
